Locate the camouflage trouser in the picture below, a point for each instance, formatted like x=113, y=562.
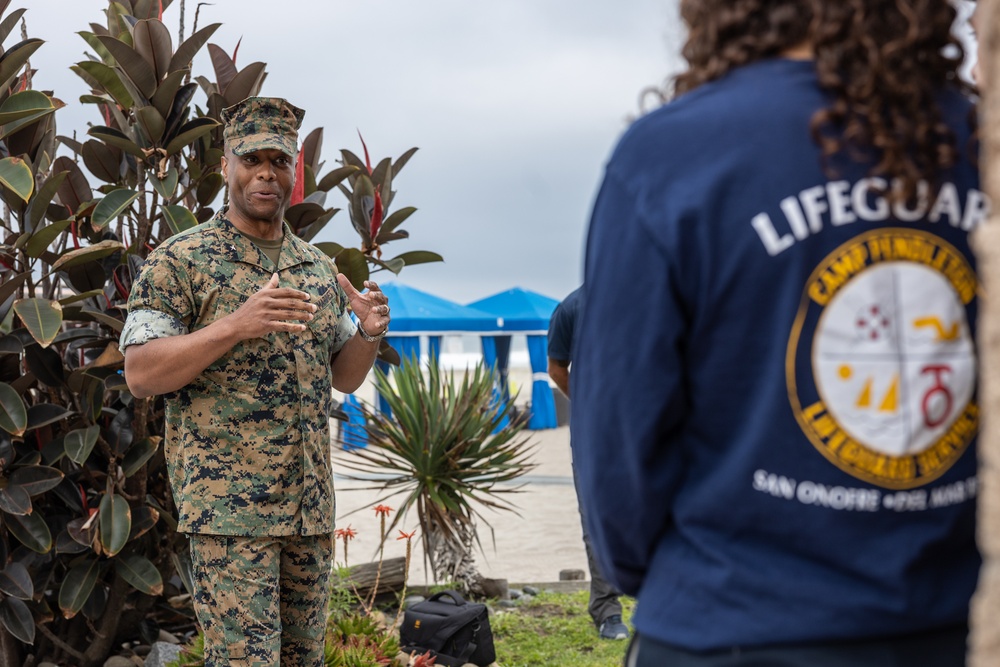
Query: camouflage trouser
x=261, y=601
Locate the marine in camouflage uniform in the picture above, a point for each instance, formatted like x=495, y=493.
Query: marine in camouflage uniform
x=247, y=416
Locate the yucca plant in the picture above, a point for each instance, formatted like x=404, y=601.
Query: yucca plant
x=451, y=446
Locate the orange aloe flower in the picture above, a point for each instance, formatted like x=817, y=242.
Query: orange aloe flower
x=345, y=533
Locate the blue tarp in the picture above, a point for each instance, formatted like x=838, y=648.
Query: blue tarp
x=522, y=310
x=527, y=312
x=417, y=312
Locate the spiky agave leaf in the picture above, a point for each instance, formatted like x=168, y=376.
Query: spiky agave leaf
x=449, y=445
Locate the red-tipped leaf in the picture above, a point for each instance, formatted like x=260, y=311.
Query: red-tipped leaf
x=376, y=216
x=299, y=189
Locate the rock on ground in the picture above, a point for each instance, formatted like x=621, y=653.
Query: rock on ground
x=161, y=653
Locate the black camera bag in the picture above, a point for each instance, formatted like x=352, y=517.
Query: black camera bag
x=456, y=632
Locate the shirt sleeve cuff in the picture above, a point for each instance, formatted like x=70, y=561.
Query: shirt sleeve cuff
x=142, y=326
x=346, y=328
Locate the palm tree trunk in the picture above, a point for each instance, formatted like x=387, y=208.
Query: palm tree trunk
x=984, y=642
x=453, y=560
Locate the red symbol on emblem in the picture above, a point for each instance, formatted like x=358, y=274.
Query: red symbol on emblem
x=939, y=389
x=872, y=323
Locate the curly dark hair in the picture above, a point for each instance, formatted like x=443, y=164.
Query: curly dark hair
x=882, y=60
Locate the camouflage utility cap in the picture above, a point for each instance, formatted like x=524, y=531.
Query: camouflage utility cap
x=260, y=123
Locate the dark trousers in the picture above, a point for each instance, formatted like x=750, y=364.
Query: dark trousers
x=603, y=595
x=936, y=648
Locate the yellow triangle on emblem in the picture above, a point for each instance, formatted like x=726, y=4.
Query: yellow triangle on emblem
x=891, y=401
x=865, y=399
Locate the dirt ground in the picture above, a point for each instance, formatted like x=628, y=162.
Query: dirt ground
x=531, y=546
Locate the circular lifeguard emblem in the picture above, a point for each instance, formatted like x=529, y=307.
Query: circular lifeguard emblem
x=881, y=366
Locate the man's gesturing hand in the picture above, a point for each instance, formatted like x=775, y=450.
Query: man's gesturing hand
x=270, y=309
x=371, y=308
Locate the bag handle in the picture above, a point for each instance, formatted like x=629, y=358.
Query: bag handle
x=455, y=596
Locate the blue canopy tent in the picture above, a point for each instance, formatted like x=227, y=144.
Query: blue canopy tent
x=416, y=313
x=524, y=312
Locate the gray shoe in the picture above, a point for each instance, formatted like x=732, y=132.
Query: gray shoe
x=613, y=628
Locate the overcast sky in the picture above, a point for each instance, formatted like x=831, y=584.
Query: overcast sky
x=514, y=105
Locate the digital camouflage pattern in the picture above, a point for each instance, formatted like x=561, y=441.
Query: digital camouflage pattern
x=259, y=123
x=261, y=601
x=248, y=441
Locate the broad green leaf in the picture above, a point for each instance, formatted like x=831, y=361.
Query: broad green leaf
x=83, y=531
x=86, y=254
x=166, y=91
x=15, y=500
x=152, y=41
x=191, y=130
x=80, y=443
x=401, y=161
x=36, y=479
x=44, y=237
x=132, y=64
x=143, y=520
x=209, y=188
x=42, y=318
x=43, y=414
x=104, y=76
x=225, y=68
x=179, y=218
x=74, y=193
x=138, y=454
x=10, y=23
x=396, y=219
x=12, y=284
x=186, y=51
x=83, y=296
x=329, y=248
x=87, y=315
x=30, y=530
x=140, y=573
x=77, y=587
x=330, y=181
x=40, y=202
x=245, y=84
x=419, y=257
x=24, y=108
x=395, y=264
x=115, y=523
x=16, y=617
x=96, y=45
x=111, y=206
x=102, y=160
x=352, y=263
x=166, y=187
x=152, y=123
x=113, y=137
x=15, y=581
x=16, y=56
x=13, y=412
x=15, y=175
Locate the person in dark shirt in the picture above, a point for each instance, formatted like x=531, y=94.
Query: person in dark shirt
x=604, y=607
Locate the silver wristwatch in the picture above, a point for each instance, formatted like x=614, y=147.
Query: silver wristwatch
x=368, y=337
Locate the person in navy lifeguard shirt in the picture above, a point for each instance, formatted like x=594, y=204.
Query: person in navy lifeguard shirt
x=774, y=382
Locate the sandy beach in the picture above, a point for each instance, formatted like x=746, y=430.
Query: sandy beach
x=534, y=545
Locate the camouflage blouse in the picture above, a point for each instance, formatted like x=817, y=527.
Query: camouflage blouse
x=248, y=441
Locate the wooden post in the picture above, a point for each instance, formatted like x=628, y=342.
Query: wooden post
x=984, y=640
